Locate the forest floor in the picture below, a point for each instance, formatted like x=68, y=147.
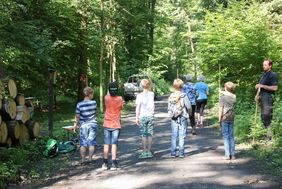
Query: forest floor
x=202, y=167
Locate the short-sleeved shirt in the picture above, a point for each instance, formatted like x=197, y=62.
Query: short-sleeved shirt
x=145, y=101
x=190, y=91
x=86, y=110
x=227, y=102
x=270, y=79
x=114, y=106
x=202, y=90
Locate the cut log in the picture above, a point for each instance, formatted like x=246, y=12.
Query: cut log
x=10, y=87
x=9, y=109
x=14, y=130
x=20, y=100
x=24, y=136
x=22, y=114
x=30, y=106
x=3, y=132
x=33, y=128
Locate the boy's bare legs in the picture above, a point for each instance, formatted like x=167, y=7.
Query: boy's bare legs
x=149, y=143
x=144, y=143
x=91, y=152
x=106, y=151
x=82, y=153
x=114, y=151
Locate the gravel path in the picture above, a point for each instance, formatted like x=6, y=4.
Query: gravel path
x=202, y=167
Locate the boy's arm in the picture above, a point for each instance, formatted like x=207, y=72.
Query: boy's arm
x=137, y=110
x=220, y=112
x=76, y=120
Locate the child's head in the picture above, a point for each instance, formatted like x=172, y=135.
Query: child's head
x=145, y=83
x=229, y=86
x=113, y=88
x=88, y=92
x=178, y=84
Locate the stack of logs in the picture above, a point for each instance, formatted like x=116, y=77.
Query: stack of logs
x=16, y=124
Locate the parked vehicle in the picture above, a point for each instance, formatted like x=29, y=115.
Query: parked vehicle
x=132, y=87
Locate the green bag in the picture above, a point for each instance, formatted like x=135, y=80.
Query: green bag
x=68, y=146
x=51, y=148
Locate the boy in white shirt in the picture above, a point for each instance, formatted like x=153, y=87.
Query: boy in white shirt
x=145, y=117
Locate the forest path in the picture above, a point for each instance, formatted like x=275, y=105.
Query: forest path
x=203, y=166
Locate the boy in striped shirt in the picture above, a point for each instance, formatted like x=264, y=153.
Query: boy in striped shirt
x=85, y=117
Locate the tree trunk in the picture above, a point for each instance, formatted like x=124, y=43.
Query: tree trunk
x=50, y=103
x=152, y=5
x=192, y=48
x=83, y=58
x=101, y=56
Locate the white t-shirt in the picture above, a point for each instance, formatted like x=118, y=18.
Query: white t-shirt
x=145, y=104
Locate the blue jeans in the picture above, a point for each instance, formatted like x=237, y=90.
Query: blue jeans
x=178, y=131
x=228, y=137
x=88, y=133
x=111, y=136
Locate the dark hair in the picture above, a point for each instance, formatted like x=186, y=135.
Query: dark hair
x=269, y=62
x=113, y=88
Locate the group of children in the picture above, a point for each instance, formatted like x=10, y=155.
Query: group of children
x=181, y=106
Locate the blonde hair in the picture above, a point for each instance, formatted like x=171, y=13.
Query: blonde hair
x=229, y=86
x=145, y=83
x=87, y=91
x=178, y=84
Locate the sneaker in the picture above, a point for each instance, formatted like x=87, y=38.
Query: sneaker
x=194, y=131
x=233, y=157
x=181, y=155
x=104, y=167
x=226, y=158
x=143, y=155
x=149, y=155
x=114, y=167
x=173, y=155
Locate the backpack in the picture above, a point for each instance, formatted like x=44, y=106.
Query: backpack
x=176, y=105
x=51, y=148
x=65, y=147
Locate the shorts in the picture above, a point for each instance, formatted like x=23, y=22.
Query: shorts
x=111, y=136
x=146, y=126
x=201, y=106
x=88, y=134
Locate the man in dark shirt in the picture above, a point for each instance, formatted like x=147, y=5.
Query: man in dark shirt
x=267, y=85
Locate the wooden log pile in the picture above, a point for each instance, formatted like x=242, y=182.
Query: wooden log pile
x=16, y=124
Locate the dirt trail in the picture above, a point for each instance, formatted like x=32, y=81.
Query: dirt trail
x=202, y=167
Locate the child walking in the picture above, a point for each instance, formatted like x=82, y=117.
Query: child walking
x=226, y=119
x=85, y=117
x=179, y=108
x=145, y=116
x=112, y=127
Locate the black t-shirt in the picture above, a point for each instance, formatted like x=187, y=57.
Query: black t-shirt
x=270, y=79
